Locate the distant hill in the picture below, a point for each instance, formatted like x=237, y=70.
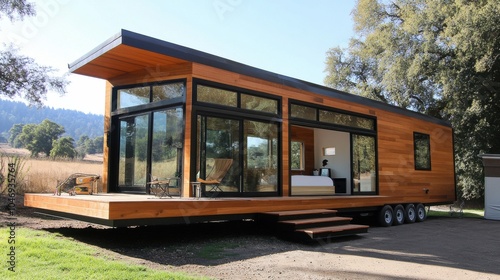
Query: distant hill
x=75, y=123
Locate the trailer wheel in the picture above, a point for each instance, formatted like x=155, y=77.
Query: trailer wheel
x=421, y=213
x=399, y=215
x=386, y=216
x=410, y=214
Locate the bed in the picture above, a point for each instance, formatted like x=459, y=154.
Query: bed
x=312, y=185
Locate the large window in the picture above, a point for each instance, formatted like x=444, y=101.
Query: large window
x=422, y=151
x=150, y=145
x=242, y=127
x=148, y=140
x=133, y=151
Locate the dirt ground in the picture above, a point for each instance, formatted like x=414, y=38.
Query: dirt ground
x=439, y=248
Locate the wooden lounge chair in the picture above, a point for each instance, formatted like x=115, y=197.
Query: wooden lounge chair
x=216, y=174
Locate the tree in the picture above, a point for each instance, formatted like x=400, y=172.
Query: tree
x=21, y=75
x=39, y=138
x=63, y=148
x=437, y=57
x=27, y=139
x=14, y=132
x=85, y=146
x=98, y=144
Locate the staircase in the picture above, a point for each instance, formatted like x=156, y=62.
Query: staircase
x=312, y=224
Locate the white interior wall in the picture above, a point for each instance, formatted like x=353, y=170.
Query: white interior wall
x=340, y=163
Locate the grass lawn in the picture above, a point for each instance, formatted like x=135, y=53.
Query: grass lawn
x=467, y=213
x=44, y=255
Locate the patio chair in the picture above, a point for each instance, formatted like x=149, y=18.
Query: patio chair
x=216, y=174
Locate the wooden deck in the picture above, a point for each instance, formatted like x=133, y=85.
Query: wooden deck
x=118, y=209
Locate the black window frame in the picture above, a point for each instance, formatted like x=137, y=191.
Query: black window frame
x=123, y=113
x=424, y=136
x=327, y=125
x=239, y=91
x=148, y=106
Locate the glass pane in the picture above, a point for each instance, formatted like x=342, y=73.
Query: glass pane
x=261, y=157
x=132, y=97
x=216, y=96
x=133, y=151
x=168, y=91
x=422, y=151
x=346, y=120
x=256, y=103
x=363, y=164
x=297, y=155
x=303, y=112
x=220, y=140
x=166, y=154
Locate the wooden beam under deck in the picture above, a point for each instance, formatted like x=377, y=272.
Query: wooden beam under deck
x=127, y=209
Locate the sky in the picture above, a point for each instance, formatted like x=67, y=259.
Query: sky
x=288, y=37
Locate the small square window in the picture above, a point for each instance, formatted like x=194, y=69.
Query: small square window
x=422, y=146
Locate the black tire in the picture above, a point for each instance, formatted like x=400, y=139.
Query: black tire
x=399, y=215
x=421, y=213
x=386, y=216
x=410, y=213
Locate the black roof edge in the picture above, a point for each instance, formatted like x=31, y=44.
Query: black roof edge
x=170, y=49
x=110, y=43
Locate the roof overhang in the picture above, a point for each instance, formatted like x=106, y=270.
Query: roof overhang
x=129, y=52
x=124, y=53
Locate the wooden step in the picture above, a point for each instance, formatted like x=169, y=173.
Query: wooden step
x=333, y=231
x=297, y=214
x=314, y=224
x=292, y=225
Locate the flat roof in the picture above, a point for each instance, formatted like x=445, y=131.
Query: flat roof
x=127, y=52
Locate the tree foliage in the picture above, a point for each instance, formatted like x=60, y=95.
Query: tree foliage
x=63, y=148
x=20, y=75
x=437, y=57
x=16, y=9
x=14, y=132
x=86, y=145
x=40, y=138
x=75, y=123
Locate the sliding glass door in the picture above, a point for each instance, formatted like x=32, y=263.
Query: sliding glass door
x=260, y=157
x=133, y=147
x=251, y=145
x=150, y=145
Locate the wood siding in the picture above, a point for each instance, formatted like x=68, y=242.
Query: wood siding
x=396, y=171
x=396, y=167
x=398, y=181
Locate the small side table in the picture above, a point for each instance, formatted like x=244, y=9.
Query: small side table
x=196, y=189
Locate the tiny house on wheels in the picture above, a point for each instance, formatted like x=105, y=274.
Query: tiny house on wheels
x=190, y=136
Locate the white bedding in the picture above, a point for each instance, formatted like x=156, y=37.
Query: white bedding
x=312, y=185
x=313, y=181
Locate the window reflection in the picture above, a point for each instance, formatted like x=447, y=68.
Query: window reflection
x=261, y=157
x=363, y=164
x=132, y=97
